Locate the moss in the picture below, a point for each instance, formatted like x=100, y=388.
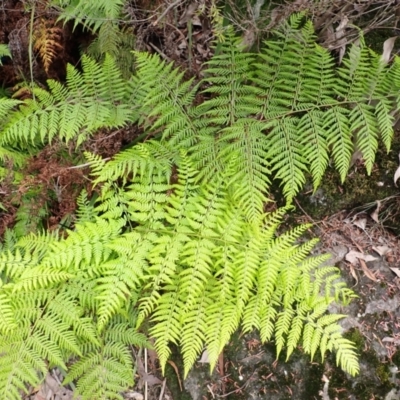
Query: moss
x=375, y=39
x=356, y=337
x=374, y=382
x=358, y=190
x=382, y=372
x=396, y=358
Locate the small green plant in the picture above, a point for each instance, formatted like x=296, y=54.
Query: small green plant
x=4, y=52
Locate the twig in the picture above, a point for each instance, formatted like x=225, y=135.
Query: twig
x=210, y=389
x=163, y=55
x=107, y=137
x=30, y=47
x=145, y=370
x=305, y=213
x=238, y=389
x=173, y=365
x=175, y=3
x=163, y=389
x=87, y=164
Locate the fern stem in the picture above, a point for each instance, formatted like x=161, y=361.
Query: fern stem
x=30, y=46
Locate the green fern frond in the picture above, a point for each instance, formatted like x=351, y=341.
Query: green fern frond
x=162, y=93
x=364, y=124
x=355, y=73
x=245, y=146
x=118, y=279
x=150, y=157
x=90, y=100
x=385, y=122
x=102, y=374
x=286, y=158
x=37, y=243
x=313, y=141
x=222, y=321
x=339, y=136
x=9, y=240
x=6, y=106
x=20, y=366
x=167, y=326
x=86, y=209
x=84, y=247
x=227, y=77
x=90, y=14
x=179, y=235
x=14, y=263
x=107, y=40
x=8, y=321
x=105, y=369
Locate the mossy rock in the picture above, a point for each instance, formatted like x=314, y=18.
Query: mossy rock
x=358, y=190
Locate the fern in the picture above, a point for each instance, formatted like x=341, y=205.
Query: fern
x=178, y=236
x=208, y=270
x=190, y=261
x=6, y=153
x=278, y=115
x=89, y=14
x=86, y=210
x=106, y=20
x=92, y=99
x=48, y=42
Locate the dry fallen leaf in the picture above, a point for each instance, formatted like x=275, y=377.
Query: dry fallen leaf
x=353, y=257
x=361, y=223
x=391, y=340
x=353, y=273
x=375, y=214
x=204, y=357
x=396, y=176
x=382, y=250
x=387, y=49
x=324, y=392
x=396, y=271
x=52, y=389
x=144, y=376
x=189, y=14
x=173, y=365
x=368, y=273
x=133, y=395
x=340, y=36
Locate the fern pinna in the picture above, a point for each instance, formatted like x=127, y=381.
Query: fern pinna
x=179, y=235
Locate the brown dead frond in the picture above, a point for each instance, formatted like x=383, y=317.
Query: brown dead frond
x=48, y=42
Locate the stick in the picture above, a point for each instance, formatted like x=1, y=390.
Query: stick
x=175, y=3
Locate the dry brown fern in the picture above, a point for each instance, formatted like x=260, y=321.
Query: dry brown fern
x=48, y=42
